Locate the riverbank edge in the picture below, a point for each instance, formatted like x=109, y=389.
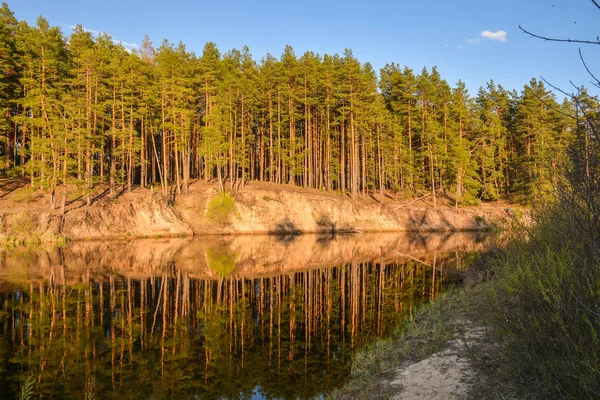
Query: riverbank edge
x=258, y=210
x=431, y=330
x=12, y=241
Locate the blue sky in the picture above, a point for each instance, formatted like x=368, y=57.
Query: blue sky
x=461, y=37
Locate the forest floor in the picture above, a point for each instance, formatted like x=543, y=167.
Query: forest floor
x=17, y=195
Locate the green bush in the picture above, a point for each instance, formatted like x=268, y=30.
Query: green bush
x=222, y=209
x=547, y=303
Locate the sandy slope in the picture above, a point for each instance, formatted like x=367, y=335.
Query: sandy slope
x=260, y=208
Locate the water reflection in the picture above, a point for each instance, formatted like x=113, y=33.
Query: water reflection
x=210, y=317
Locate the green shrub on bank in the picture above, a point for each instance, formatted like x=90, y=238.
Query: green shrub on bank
x=547, y=299
x=222, y=209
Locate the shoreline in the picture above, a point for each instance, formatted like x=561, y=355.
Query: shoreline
x=60, y=240
x=448, y=349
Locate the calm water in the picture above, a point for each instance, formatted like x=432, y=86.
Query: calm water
x=210, y=318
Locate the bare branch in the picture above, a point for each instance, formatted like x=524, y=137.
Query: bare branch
x=567, y=94
x=596, y=85
x=596, y=3
x=408, y=204
x=587, y=69
x=411, y=257
x=597, y=42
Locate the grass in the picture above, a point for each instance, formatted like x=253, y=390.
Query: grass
x=23, y=225
x=32, y=241
x=222, y=209
x=24, y=195
x=20, y=230
x=431, y=328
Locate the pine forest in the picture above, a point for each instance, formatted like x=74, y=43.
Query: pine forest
x=82, y=111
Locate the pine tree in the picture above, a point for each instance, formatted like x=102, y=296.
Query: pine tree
x=465, y=180
x=537, y=127
x=212, y=137
x=9, y=88
x=289, y=94
x=270, y=80
x=45, y=64
x=491, y=154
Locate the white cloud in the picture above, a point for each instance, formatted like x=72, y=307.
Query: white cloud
x=128, y=46
x=498, y=35
x=93, y=32
x=488, y=35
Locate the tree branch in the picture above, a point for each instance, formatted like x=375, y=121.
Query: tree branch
x=597, y=42
x=588, y=70
x=411, y=257
x=408, y=204
x=567, y=94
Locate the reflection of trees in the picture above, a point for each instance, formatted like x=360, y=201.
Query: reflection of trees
x=291, y=335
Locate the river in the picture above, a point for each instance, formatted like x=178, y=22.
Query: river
x=234, y=317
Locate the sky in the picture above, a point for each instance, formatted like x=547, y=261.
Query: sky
x=471, y=40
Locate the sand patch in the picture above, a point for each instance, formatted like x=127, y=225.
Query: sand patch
x=447, y=374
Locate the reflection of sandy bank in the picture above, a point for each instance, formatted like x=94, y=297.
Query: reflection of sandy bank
x=208, y=257
x=265, y=255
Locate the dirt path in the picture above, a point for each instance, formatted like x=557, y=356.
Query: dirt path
x=448, y=374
